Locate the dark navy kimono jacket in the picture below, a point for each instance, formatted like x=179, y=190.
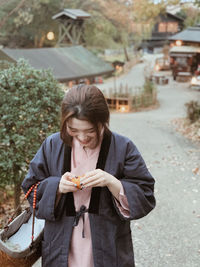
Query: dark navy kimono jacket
x=110, y=231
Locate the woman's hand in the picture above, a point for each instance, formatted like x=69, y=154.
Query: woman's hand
x=66, y=185
x=97, y=177
x=101, y=178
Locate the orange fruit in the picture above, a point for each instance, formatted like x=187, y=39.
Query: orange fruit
x=76, y=180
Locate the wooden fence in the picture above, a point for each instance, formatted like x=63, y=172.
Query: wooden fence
x=127, y=99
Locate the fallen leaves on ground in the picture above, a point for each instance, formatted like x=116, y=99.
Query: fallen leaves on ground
x=188, y=129
x=196, y=170
x=7, y=208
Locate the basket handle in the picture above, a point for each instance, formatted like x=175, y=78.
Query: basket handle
x=34, y=206
x=33, y=187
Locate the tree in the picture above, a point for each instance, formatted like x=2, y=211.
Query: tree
x=145, y=15
x=29, y=111
x=112, y=22
x=99, y=32
x=197, y=3
x=15, y=9
x=191, y=15
x=26, y=24
x=117, y=13
x=108, y=25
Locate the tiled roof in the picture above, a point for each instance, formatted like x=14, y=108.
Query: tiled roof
x=191, y=34
x=72, y=13
x=67, y=63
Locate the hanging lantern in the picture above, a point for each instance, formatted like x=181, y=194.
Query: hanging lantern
x=50, y=36
x=179, y=43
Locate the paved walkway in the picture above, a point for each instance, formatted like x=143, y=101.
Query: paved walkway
x=134, y=79
x=170, y=235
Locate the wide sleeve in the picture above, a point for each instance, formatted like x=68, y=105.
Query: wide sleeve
x=138, y=184
x=122, y=203
x=39, y=171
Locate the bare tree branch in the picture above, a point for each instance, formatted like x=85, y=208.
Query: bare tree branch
x=11, y=12
x=2, y=2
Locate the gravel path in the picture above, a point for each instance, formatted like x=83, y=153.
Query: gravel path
x=170, y=235
x=134, y=78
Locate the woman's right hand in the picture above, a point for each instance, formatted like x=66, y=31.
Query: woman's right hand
x=66, y=185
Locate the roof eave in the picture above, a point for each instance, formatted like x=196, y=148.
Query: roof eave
x=84, y=76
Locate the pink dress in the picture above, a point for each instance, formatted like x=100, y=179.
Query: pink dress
x=82, y=161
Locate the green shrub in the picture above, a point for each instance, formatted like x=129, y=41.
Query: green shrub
x=149, y=87
x=29, y=111
x=4, y=64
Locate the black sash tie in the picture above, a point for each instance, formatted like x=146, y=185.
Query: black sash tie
x=80, y=214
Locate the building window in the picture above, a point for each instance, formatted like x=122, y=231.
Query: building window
x=162, y=27
x=168, y=27
x=172, y=27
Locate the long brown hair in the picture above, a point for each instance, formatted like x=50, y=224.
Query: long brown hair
x=84, y=102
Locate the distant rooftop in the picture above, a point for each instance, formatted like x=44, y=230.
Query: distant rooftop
x=191, y=34
x=185, y=49
x=174, y=16
x=72, y=13
x=67, y=63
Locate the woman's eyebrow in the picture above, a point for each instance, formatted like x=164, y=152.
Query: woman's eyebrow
x=88, y=129
x=71, y=127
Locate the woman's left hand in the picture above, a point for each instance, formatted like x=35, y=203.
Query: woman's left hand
x=96, y=178
x=101, y=178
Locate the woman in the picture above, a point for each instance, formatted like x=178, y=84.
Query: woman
x=89, y=226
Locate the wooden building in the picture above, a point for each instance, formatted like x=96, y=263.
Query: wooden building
x=71, y=22
x=185, y=51
x=167, y=25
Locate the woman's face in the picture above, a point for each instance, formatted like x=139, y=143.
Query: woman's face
x=83, y=131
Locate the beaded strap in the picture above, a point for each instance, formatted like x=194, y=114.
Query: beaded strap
x=34, y=206
x=35, y=186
